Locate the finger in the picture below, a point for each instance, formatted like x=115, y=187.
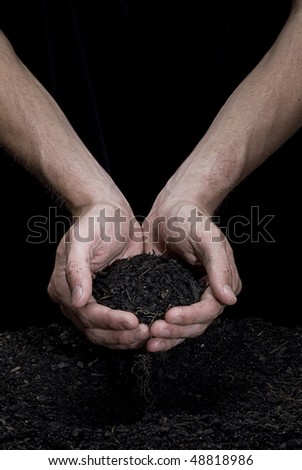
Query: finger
x=159, y=345
x=119, y=339
x=58, y=289
x=78, y=275
x=204, y=311
x=98, y=316
x=165, y=330
x=220, y=265
x=237, y=284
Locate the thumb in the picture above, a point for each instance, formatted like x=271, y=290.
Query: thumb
x=220, y=275
x=79, y=279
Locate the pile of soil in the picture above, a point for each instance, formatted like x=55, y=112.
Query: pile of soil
x=238, y=386
x=147, y=285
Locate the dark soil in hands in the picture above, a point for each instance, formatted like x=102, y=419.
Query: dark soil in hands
x=147, y=285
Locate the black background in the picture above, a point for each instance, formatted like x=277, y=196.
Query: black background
x=159, y=73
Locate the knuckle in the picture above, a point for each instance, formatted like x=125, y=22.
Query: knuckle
x=71, y=268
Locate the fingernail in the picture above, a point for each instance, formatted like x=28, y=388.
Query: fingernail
x=76, y=294
x=229, y=291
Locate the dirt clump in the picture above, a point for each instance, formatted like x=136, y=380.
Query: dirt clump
x=147, y=285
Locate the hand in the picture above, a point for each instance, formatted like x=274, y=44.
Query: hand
x=184, y=231
x=98, y=237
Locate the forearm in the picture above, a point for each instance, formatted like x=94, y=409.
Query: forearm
x=37, y=133
x=263, y=112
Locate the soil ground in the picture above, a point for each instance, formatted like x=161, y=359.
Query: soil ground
x=238, y=386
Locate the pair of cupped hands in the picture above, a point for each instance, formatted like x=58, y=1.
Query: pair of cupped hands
x=107, y=231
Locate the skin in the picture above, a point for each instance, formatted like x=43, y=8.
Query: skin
x=263, y=112
x=37, y=133
x=75, y=266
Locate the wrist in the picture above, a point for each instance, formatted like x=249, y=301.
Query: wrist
x=206, y=177
x=97, y=201
x=83, y=183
